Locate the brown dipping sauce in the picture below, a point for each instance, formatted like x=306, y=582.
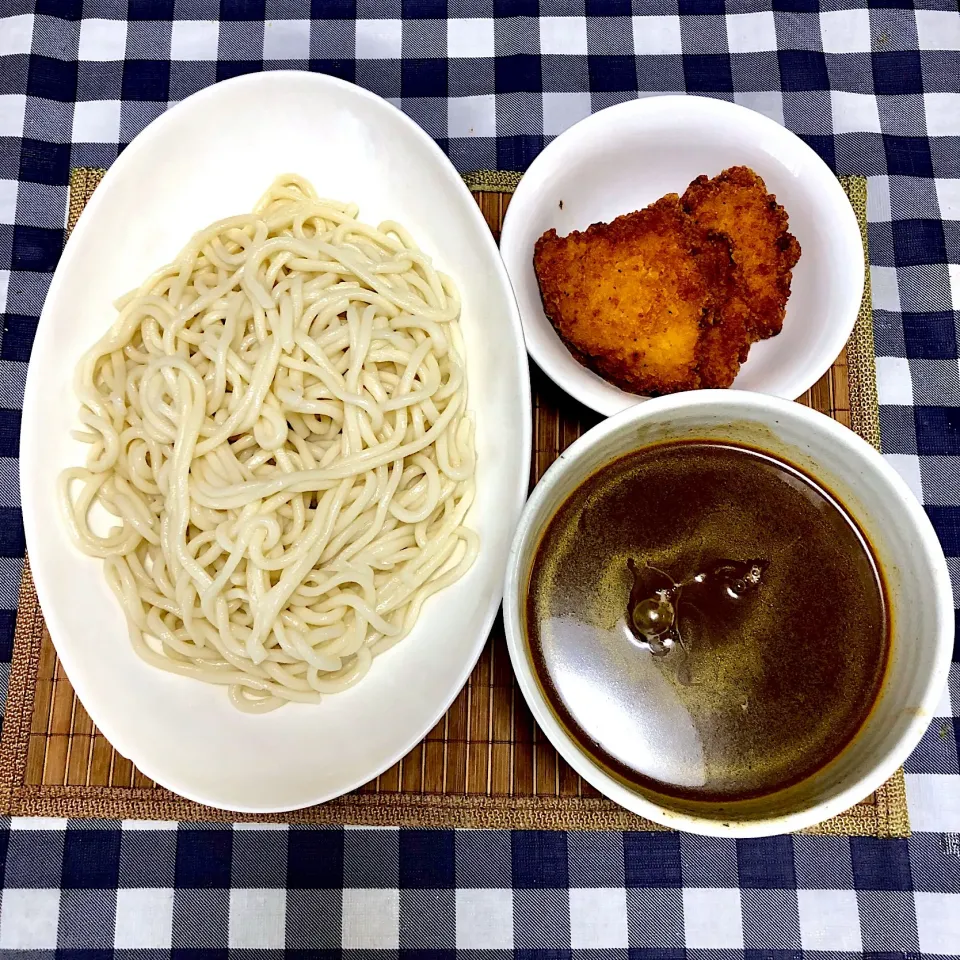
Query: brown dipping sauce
x=707, y=621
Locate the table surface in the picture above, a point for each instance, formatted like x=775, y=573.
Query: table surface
x=875, y=92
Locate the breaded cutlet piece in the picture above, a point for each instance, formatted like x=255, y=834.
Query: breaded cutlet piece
x=724, y=346
x=632, y=298
x=736, y=203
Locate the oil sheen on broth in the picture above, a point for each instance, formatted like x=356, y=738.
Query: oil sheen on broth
x=706, y=621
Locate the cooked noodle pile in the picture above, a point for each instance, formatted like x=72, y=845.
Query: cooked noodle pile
x=278, y=422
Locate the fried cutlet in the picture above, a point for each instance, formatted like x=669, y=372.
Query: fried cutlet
x=632, y=298
x=736, y=204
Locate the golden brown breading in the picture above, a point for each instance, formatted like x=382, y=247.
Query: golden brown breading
x=671, y=297
x=736, y=204
x=724, y=346
x=632, y=299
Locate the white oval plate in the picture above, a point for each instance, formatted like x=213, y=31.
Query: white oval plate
x=209, y=157
x=627, y=156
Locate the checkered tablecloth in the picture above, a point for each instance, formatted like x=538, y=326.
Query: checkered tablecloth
x=874, y=91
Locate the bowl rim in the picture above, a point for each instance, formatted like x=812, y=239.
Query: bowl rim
x=583, y=384
x=859, y=787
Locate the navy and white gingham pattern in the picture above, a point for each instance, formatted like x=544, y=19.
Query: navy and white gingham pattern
x=176, y=889
x=875, y=89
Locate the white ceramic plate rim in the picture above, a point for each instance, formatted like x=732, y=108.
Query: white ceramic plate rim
x=858, y=788
x=591, y=389
x=62, y=632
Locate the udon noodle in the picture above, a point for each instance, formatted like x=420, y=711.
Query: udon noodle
x=277, y=425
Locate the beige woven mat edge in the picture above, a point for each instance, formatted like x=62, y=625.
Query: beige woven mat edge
x=886, y=817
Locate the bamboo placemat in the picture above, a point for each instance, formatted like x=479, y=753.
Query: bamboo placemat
x=485, y=764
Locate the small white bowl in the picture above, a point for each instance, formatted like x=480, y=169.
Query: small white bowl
x=625, y=157
x=906, y=548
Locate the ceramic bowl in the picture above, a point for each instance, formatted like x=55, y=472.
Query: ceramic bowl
x=906, y=549
x=627, y=156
